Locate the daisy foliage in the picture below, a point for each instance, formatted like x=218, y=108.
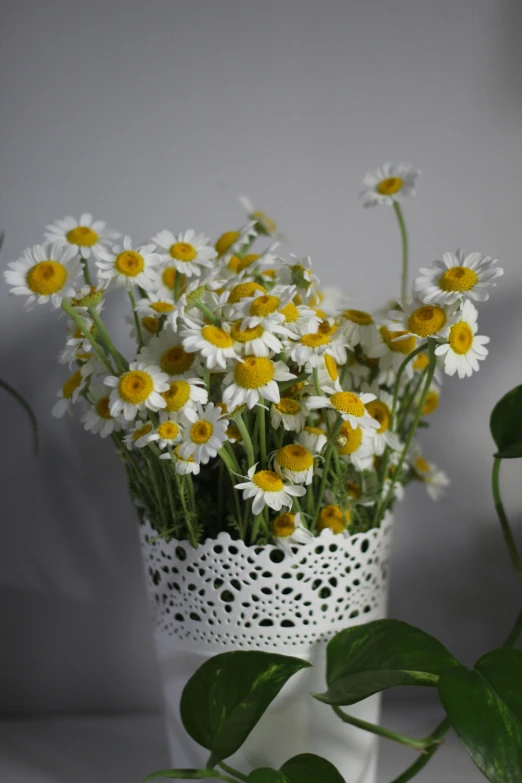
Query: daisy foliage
x=252, y=402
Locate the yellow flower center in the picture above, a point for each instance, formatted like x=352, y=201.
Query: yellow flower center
x=201, y=431
x=331, y=367
x=427, y=320
x=268, y=224
x=183, y=251
x=353, y=437
x=135, y=386
x=268, y=481
x=183, y=459
x=264, y=305
x=458, y=278
x=421, y=362
x=168, y=278
x=247, y=260
x=332, y=517
x=389, y=186
x=290, y=312
x=327, y=329
x=405, y=346
x=233, y=432
x=379, y=411
x=295, y=458
x=253, y=372
x=102, y=408
x=129, y=263
x=431, y=403
x=294, y=391
x=162, y=307
x=244, y=289
x=137, y=434
x=83, y=236
x=421, y=465
x=176, y=360
x=233, y=264
x=71, y=384
x=353, y=489
x=288, y=406
x=283, y=525
x=270, y=273
x=47, y=277
x=358, y=317
x=216, y=336
x=347, y=402
x=314, y=340
x=461, y=338
x=168, y=430
x=176, y=396
x=315, y=431
x=226, y=241
x=245, y=335
x=150, y=323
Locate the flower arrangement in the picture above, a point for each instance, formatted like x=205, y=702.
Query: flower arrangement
x=255, y=402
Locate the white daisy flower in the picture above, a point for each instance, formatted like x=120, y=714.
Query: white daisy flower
x=389, y=184
x=166, y=351
x=98, y=418
x=139, y=436
x=263, y=223
x=167, y=433
x=77, y=346
x=183, y=394
x=69, y=394
x=359, y=328
x=84, y=235
x=313, y=438
x=422, y=320
x=295, y=463
x=464, y=348
x=187, y=252
x=44, y=273
x=88, y=296
x=128, y=267
x=458, y=275
x=214, y=343
x=268, y=489
x=355, y=445
x=292, y=414
x=380, y=409
x=391, y=352
x=435, y=480
x=169, y=278
x=255, y=340
x=205, y=433
x=300, y=319
x=288, y=529
x=431, y=402
x=137, y=389
x=349, y=406
x=355, y=373
x=264, y=309
x=311, y=347
x=159, y=304
x=327, y=373
x=254, y=378
x=333, y=518
x=183, y=466
x=149, y=325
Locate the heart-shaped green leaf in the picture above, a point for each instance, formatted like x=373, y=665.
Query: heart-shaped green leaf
x=506, y=425
x=484, y=705
x=306, y=768
x=226, y=697
x=370, y=658
x=183, y=774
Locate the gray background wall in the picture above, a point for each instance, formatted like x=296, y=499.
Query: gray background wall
x=156, y=114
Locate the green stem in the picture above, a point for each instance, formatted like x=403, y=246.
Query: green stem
x=515, y=632
x=327, y=457
x=436, y=738
x=232, y=771
x=404, y=237
x=86, y=271
x=80, y=323
x=380, y=731
x=120, y=361
x=136, y=319
x=207, y=312
x=260, y=414
x=243, y=429
x=170, y=495
x=420, y=348
x=25, y=405
x=504, y=523
x=287, y=384
x=230, y=462
x=411, y=399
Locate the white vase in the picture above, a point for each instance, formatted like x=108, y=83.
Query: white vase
x=225, y=595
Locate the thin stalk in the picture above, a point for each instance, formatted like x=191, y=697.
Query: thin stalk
x=82, y=327
x=86, y=271
x=327, y=457
x=515, y=632
x=411, y=398
x=260, y=415
x=170, y=495
x=207, y=312
x=232, y=771
x=504, y=522
x=420, y=348
x=231, y=465
x=136, y=318
x=417, y=744
x=25, y=405
x=287, y=384
x=404, y=238
x=243, y=429
x=120, y=361
x=436, y=738
x=191, y=532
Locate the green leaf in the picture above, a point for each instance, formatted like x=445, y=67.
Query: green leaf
x=226, y=697
x=506, y=425
x=306, y=768
x=183, y=774
x=484, y=705
x=370, y=658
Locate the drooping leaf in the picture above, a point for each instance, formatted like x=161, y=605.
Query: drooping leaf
x=506, y=425
x=267, y=775
x=370, y=658
x=305, y=768
x=183, y=774
x=484, y=705
x=226, y=697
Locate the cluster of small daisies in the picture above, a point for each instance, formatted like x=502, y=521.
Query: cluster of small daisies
x=253, y=403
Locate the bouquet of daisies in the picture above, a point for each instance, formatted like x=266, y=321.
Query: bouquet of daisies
x=255, y=402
